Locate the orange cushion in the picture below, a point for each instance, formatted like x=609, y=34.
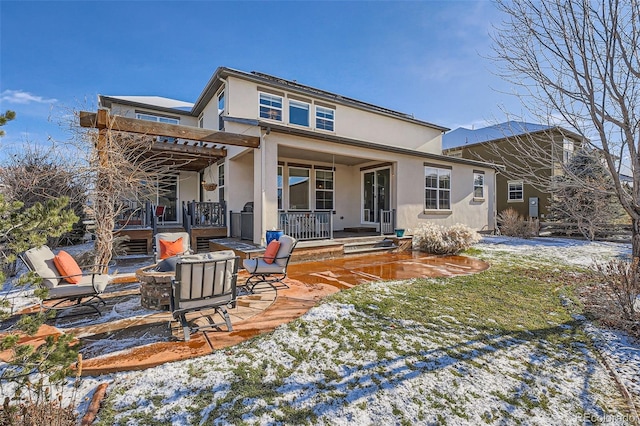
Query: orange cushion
x=271, y=251
x=66, y=265
x=171, y=248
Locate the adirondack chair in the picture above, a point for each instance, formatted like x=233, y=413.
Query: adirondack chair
x=86, y=292
x=204, y=282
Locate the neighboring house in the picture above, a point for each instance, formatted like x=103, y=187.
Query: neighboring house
x=325, y=162
x=528, y=151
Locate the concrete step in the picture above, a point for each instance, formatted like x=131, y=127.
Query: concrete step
x=366, y=246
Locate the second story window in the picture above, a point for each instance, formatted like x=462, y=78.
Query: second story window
x=159, y=119
x=567, y=151
x=221, y=110
x=299, y=113
x=270, y=107
x=325, y=118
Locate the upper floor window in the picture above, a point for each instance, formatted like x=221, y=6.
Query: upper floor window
x=299, y=113
x=437, y=193
x=515, y=191
x=221, y=102
x=159, y=119
x=567, y=150
x=324, y=190
x=324, y=118
x=270, y=107
x=478, y=185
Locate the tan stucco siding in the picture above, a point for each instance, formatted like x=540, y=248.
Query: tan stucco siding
x=352, y=123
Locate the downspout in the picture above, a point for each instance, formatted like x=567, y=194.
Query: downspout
x=263, y=197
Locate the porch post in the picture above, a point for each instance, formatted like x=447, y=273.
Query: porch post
x=268, y=187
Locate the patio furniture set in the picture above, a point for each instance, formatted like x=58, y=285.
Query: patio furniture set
x=179, y=281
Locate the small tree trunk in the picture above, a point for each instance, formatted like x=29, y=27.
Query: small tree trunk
x=635, y=240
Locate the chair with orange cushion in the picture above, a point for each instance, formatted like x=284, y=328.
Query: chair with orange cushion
x=271, y=268
x=169, y=244
x=65, y=281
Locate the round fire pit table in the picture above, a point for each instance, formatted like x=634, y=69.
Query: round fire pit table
x=155, y=288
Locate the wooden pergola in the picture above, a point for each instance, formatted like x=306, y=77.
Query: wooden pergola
x=194, y=148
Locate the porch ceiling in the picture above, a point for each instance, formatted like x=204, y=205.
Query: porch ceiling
x=306, y=155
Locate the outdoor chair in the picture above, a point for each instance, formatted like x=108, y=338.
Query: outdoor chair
x=168, y=244
x=85, y=291
x=159, y=213
x=204, y=282
x=270, y=268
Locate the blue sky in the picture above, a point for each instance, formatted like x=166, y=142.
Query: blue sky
x=424, y=58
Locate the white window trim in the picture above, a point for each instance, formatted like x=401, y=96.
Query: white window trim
x=475, y=174
x=222, y=111
x=301, y=105
x=315, y=189
x=438, y=189
x=309, y=201
x=332, y=120
x=260, y=94
x=515, y=200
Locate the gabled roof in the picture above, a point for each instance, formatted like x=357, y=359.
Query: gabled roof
x=465, y=137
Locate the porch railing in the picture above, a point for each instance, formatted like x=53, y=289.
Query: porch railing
x=387, y=221
x=133, y=214
x=203, y=214
x=307, y=226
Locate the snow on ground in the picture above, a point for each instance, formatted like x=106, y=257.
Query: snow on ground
x=426, y=375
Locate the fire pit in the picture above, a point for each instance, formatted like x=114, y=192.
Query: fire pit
x=155, y=288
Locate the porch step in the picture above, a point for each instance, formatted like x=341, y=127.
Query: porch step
x=369, y=245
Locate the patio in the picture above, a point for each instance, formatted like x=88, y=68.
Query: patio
x=131, y=337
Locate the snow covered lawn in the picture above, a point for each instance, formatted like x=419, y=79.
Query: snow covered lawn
x=499, y=347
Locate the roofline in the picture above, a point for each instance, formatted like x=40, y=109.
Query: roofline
x=214, y=84
x=363, y=144
x=559, y=129
x=103, y=99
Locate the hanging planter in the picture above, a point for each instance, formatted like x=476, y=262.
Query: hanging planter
x=207, y=183
x=209, y=186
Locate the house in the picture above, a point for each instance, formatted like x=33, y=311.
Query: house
x=325, y=163
x=532, y=154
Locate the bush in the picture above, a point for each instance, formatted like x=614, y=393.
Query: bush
x=512, y=224
x=622, y=284
x=436, y=239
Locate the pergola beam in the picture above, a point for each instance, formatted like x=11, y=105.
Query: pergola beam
x=102, y=120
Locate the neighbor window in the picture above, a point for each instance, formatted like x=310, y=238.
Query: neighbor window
x=478, y=185
x=324, y=190
x=567, y=151
x=299, y=113
x=324, y=118
x=516, y=191
x=437, y=195
x=299, y=188
x=201, y=121
x=270, y=107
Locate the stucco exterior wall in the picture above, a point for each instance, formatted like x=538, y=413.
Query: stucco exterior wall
x=350, y=122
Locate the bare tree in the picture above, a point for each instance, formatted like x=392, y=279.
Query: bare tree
x=121, y=166
x=579, y=61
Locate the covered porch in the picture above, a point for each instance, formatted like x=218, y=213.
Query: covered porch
x=310, y=194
